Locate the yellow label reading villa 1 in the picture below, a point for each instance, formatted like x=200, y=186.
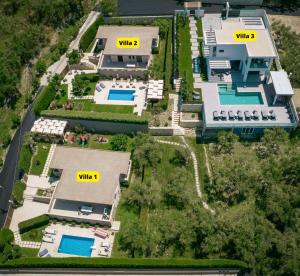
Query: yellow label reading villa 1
x=87, y=176
x=128, y=42
x=243, y=35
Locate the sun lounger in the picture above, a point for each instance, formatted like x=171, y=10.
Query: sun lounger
x=105, y=244
x=216, y=115
x=103, y=252
x=43, y=253
x=223, y=115
x=48, y=239
x=240, y=115
x=231, y=115
x=49, y=231
x=101, y=233
x=247, y=115
x=255, y=115
x=272, y=115
x=102, y=85
x=264, y=115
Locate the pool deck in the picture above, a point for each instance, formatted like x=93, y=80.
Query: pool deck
x=211, y=101
x=139, y=101
x=74, y=231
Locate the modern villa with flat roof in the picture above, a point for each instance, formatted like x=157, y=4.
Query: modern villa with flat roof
x=244, y=92
x=93, y=202
x=126, y=61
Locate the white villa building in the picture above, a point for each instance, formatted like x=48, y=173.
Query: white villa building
x=126, y=61
x=93, y=202
x=247, y=90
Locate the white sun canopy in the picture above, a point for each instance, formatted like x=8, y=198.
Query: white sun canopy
x=281, y=83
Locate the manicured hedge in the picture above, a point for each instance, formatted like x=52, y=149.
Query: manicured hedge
x=122, y=263
x=33, y=223
x=97, y=116
x=25, y=159
x=88, y=37
x=17, y=193
x=44, y=99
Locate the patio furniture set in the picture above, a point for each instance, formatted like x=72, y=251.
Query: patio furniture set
x=247, y=115
x=155, y=90
x=49, y=235
x=129, y=83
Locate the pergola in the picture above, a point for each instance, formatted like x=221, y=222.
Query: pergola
x=281, y=83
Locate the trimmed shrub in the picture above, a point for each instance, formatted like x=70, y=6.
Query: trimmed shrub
x=6, y=237
x=122, y=263
x=90, y=34
x=17, y=193
x=44, y=100
x=33, y=223
x=25, y=158
x=97, y=116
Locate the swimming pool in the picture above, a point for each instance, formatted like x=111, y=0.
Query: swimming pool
x=229, y=95
x=120, y=95
x=74, y=245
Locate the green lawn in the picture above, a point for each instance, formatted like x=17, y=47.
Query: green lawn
x=63, y=97
x=35, y=235
x=88, y=105
x=39, y=159
x=184, y=52
x=18, y=191
x=29, y=252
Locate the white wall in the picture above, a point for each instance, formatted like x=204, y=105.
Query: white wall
x=232, y=52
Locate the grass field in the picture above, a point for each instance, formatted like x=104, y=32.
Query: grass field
x=39, y=159
x=35, y=235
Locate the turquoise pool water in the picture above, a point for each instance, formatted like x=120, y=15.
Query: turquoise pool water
x=120, y=95
x=74, y=245
x=229, y=95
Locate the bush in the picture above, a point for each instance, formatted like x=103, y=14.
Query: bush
x=119, y=142
x=109, y=7
x=123, y=263
x=17, y=193
x=90, y=34
x=33, y=223
x=97, y=116
x=6, y=237
x=40, y=67
x=74, y=57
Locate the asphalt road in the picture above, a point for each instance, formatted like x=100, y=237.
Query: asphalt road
x=167, y=7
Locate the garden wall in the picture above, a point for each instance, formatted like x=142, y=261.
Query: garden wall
x=122, y=73
x=190, y=123
x=191, y=107
x=109, y=127
x=165, y=131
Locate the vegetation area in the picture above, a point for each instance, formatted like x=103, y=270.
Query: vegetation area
x=28, y=27
x=39, y=158
x=33, y=223
x=159, y=210
x=25, y=155
x=35, y=235
x=8, y=250
x=255, y=191
x=17, y=193
x=203, y=67
x=282, y=4
x=288, y=46
x=184, y=67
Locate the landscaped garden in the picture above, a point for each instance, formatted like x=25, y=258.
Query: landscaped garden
x=203, y=66
x=184, y=66
x=39, y=158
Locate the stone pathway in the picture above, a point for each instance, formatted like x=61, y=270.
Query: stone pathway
x=48, y=160
x=27, y=244
x=195, y=164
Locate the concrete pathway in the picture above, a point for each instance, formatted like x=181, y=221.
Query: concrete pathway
x=195, y=164
x=48, y=160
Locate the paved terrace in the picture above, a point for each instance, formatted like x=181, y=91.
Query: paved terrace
x=212, y=103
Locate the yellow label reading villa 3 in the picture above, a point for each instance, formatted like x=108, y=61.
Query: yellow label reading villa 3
x=128, y=42
x=243, y=35
x=87, y=176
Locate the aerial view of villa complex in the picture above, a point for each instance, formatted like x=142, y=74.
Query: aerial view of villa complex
x=149, y=135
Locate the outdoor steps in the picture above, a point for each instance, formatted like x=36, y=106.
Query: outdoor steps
x=48, y=160
x=178, y=85
x=175, y=118
x=206, y=51
x=190, y=132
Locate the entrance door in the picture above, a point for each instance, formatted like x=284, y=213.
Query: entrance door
x=120, y=58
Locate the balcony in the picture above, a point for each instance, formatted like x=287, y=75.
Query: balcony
x=259, y=64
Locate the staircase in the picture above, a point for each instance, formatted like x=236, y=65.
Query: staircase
x=175, y=118
x=49, y=158
x=178, y=85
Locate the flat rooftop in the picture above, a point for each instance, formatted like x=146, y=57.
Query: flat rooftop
x=224, y=33
x=145, y=33
x=110, y=164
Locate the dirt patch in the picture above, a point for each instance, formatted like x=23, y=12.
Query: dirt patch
x=292, y=21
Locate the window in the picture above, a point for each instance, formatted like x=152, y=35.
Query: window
x=248, y=130
x=214, y=51
x=221, y=51
x=139, y=59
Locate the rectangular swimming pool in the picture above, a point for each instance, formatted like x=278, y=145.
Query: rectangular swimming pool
x=74, y=245
x=229, y=95
x=120, y=95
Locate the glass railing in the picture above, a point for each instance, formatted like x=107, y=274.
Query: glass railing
x=257, y=64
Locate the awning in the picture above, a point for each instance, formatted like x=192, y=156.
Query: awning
x=219, y=64
x=281, y=83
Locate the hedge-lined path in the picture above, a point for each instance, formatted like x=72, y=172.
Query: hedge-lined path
x=27, y=244
x=48, y=160
x=195, y=164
